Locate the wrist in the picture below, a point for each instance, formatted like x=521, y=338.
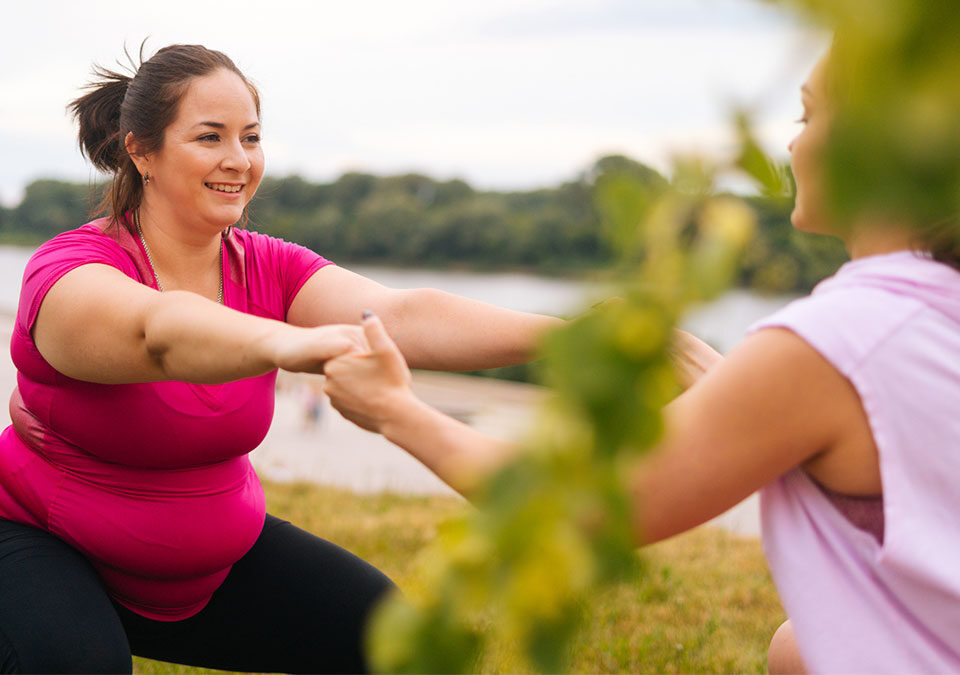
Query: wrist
x=273, y=343
x=399, y=412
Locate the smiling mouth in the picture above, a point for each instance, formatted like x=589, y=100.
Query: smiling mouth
x=223, y=187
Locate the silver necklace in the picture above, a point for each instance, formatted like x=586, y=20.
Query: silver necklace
x=153, y=269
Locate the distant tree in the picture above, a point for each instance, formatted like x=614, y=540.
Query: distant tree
x=324, y=230
x=50, y=207
x=475, y=230
x=414, y=219
x=293, y=192
x=780, y=259
x=383, y=227
x=621, y=164
x=452, y=191
x=348, y=191
x=420, y=187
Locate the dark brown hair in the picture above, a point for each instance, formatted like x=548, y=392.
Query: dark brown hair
x=144, y=103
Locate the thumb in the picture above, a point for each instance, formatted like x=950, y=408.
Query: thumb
x=376, y=334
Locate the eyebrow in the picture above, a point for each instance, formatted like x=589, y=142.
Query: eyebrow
x=220, y=125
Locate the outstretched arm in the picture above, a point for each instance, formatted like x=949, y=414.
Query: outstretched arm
x=433, y=329
x=98, y=325
x=772, y=405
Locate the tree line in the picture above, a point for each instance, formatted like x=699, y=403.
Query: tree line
x=415, y=220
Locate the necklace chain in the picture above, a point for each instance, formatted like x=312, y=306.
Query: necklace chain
x=146, y=249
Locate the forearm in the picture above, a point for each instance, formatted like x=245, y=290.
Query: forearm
x=194, y=340
x=440, y=331
x=456, y=453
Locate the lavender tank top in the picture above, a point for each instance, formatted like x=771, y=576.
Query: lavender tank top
x=860, y=603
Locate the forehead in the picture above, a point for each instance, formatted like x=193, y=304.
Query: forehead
x=221, y=94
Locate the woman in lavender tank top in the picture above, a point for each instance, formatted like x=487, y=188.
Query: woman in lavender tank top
x=841, y=409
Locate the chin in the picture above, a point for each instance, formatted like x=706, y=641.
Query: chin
x=225, y=220
x=796, y=219
x=800, y=217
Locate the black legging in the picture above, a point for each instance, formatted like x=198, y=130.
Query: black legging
x=294, y=603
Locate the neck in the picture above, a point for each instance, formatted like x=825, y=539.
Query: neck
x=183, y=260
x=876, y=237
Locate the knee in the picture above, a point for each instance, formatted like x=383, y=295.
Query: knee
x=66, y=652
x=783, y=657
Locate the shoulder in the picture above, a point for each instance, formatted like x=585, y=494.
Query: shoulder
x=85, y=245
x=274, y=269
x=87, y=240
x=847, y=317
x=268, y=252
x=256, y=243
x=90, y=243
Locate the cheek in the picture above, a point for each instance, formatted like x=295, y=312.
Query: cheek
x=256, y=168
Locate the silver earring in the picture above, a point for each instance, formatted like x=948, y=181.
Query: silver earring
x=146, y=178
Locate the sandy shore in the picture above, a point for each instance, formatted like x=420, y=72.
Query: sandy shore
x=332, y=451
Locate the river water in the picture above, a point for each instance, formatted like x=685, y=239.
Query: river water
x=722, y=323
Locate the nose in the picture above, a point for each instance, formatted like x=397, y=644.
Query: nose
x=235, y=158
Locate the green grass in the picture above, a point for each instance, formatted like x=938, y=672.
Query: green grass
x=705, y=602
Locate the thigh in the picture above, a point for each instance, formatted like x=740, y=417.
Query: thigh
x=55, y=615
x=293, y=603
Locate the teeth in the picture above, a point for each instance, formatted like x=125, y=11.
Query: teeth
x=220, y=187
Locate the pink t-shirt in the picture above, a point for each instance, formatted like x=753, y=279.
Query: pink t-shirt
x=150, y=481
x=891, y=325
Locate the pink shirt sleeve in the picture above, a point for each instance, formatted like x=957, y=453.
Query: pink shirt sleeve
x=275, y=271
x=60, y=255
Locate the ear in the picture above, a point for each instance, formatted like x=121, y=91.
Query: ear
x=135, y=150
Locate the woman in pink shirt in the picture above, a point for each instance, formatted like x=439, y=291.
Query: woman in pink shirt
x=147, y=344
x=841, y=409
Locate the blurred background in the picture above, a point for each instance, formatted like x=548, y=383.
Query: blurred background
x=436, y=135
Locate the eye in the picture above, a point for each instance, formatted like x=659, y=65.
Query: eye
x=252, y=138
x=209, y=138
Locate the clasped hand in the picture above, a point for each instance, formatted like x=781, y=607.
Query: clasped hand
x=368, y=387
x=307, y=350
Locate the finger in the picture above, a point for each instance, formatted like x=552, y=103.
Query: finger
x=377, y=335
x=340, y=347
x=331, y=367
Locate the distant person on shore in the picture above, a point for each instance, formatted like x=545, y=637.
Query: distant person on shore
x=312, y=399
x=842, y=408
x=147, y=344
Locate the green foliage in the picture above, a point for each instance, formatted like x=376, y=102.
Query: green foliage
x=50, y=207
x=555, y=525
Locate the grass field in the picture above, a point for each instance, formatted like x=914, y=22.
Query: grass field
x=705, y=602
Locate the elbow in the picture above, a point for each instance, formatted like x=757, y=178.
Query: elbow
x=159, y=328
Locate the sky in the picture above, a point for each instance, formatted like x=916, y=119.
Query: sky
x=506, y=94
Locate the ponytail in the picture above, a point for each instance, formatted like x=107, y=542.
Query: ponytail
x=98, y=116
